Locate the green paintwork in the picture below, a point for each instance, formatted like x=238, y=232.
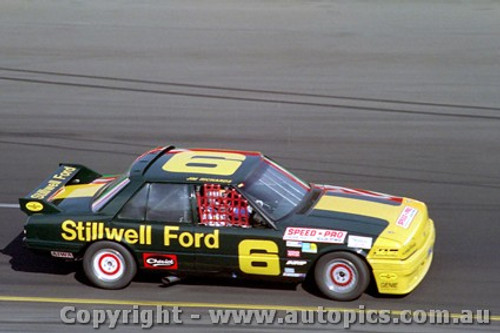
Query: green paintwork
x=44, y=229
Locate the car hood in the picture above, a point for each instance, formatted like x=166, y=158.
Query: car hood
x=367, y=213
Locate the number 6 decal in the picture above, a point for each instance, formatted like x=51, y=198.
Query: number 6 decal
x=259, y=257
x=212, y=163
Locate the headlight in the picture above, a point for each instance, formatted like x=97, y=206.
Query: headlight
x=408, y=249
x=393, y=250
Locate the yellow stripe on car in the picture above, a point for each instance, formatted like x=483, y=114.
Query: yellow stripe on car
x=77, y=191
x=389, y=213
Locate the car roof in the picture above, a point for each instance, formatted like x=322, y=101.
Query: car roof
x=197, y=165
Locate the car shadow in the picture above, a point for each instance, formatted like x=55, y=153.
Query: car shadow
x=25, y=260
x=206, y=280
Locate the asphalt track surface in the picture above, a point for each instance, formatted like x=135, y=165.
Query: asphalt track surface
x=394, y=96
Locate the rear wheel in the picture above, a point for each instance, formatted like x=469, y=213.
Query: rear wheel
x=341, y=276
x=109, y=265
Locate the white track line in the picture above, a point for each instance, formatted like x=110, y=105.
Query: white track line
x=6, y=205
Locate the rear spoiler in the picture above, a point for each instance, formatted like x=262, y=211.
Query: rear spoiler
x=37, y=201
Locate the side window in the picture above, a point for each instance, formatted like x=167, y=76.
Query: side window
x=222, y=206
x=135, y=208
x=169, y=203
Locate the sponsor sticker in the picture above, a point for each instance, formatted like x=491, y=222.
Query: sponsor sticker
x=34, y=206
x=406, y=217
x=296, y=262
x=64, y=173
x=293, y=244
x=61, y=254
x=388, y=276
x=294, y=274
x=315, y=235
x=289, y=270
x=159, y=261
x=389, y=285
x=359, y=242
x=293, y=253
x=309, y=248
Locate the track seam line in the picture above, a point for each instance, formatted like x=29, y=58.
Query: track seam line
x=249, y=90
x=258, y=100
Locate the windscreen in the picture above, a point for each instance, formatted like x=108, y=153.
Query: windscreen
x=274, y=189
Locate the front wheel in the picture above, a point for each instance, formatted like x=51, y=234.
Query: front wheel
x=109, y=265
x=341, y=276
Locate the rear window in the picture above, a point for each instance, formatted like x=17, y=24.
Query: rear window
x=108, y=192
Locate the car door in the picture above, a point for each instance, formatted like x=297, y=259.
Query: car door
x=162, y=212
x=245, y=244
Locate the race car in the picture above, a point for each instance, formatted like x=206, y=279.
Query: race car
x=229, y=213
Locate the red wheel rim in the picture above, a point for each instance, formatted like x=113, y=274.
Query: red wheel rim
x=114, y=258
x=340, y=269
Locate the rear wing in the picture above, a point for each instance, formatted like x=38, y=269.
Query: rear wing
x=38, y=200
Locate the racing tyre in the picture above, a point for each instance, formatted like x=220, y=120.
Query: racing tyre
x=109, y=265
x=341, y=276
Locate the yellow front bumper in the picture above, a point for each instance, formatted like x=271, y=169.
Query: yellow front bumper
x=394, y=276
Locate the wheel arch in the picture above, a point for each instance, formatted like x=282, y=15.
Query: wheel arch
x=358, y=252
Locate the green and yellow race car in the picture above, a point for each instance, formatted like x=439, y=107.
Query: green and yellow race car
x=235, y=213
